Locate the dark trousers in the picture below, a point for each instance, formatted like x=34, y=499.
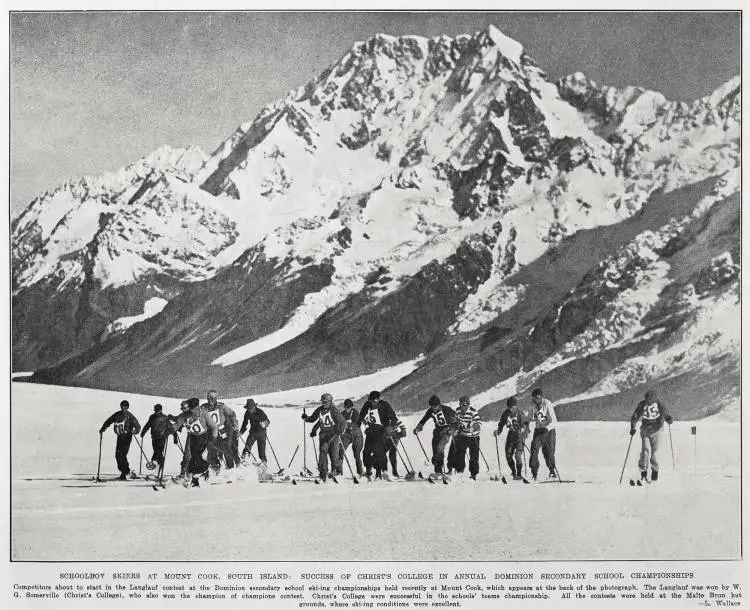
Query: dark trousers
x=374, y=455
x=514, y=446
x=220, y=449
x=330, y=448
x=195, y=447
x=157, y=444
x=392, y=443
x=121, y=452
x=252, y=438
x=439, y=442
x=354, y=438
x=544, y=440
x=235, y=441
x=458, y=454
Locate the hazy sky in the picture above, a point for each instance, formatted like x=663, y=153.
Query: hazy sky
x=91, y=92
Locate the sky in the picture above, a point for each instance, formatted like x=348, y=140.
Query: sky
x=91, y=92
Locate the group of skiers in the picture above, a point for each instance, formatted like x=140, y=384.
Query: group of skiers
x=213, y=436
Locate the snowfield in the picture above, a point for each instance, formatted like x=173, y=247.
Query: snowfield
x=692, y=513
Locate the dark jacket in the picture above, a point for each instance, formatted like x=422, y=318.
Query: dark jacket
x=652, y=416
x=254, y=420
x=330, y=420
x=125, y=423
x=377, y=417
x=159, y=425
x=443, y=417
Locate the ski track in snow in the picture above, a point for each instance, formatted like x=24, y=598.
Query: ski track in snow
x=596, y=519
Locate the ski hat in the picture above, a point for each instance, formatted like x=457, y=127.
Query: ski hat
x=192, y=403
x=348, y=402
x=464, y=400
x=650, y=396
x=511, y=402
x=374, y=395
x=124, y=403
x=326, y=398
x=250, y=403
x=537, y=393
x=157, y=407
x=434, y=401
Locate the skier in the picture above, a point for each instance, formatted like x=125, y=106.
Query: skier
x=203, y=434
x=161, y=428
x=399, y=432
x=258, y=421
x=125, y=426
x=652, y=414
x=225, y=420
x=518, y=429
x=545, y=434
x=352, y=434
x=444, y=419
x=331, y=427
x=379, y=419
x=468, y=428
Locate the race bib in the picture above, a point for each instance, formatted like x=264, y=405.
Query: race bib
x=326, y=419
x=651, y=411
x=373, y=417
x=216, y=419
x=196, y=427
x=439, y=418
x=119, y=428
x=513, y=423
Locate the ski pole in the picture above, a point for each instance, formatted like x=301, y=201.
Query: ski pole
x=294, y=454
x=268, y=440
x=408, y=459
x=348, y=465
x=422, y=447
x=409, y=473
x=140, y=464
x=627, y=453
x=179, y=444
x=423, y=451
x=149, y=464
x=304, y=445
x=499, y=468
x=163, y=461
x=484, y=458
x=315, y=450
x=671, y=446
x=99, y=461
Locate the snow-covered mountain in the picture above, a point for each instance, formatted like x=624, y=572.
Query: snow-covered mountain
x=423, y=198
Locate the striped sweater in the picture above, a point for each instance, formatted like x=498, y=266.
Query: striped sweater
x=468, y=421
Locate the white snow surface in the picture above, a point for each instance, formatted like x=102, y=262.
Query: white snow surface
x=150, y=308
x=56, y=516
x=354, y=387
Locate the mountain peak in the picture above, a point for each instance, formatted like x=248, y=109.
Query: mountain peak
x=510, y=48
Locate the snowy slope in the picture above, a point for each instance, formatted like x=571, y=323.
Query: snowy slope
x=592, y=519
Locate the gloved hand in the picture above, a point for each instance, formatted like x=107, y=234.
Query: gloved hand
x=496, y=432
x=669, y=419
x=417, y=430
x=264, y=424
x=143, y=434
x=303, y=416
x=242, y=431
x=389, y=430
x=312, y=434
x=101, y=431
x=632, y=431
x=176, y=440
x=476, y=427
x=402, y=433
